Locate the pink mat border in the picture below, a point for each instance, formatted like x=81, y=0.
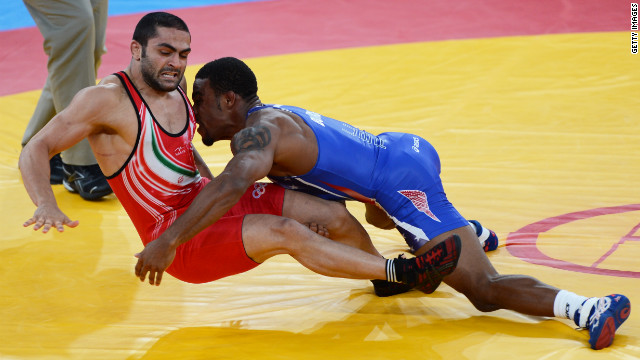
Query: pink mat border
x=275, y=27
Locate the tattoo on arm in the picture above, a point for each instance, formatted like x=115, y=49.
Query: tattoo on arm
x=253, y=138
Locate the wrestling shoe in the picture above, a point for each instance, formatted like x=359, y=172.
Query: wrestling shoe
x=609, y=313
x=384, y=288
x=488, y=238
x=425, y=272
x=88, y=181
x=55, y=163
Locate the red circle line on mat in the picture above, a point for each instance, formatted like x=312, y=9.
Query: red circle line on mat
x=523, y=243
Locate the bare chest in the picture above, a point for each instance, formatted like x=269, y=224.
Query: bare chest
x=172, y=115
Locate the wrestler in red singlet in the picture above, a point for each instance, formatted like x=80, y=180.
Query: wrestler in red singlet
x=160, y=180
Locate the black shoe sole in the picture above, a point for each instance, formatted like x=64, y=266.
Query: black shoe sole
x=383, y=288
x=85, y=195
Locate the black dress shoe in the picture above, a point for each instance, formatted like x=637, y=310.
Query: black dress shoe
x=88, y=181
x=55, y=163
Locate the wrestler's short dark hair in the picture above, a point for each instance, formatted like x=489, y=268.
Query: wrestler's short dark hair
x=147, y=26
x=230, y=74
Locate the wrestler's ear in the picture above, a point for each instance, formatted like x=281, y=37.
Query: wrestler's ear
x=230, y=98
x=136, y=50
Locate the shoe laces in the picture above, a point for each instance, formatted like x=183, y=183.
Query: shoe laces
x=601, y=307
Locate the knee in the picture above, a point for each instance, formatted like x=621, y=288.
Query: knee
x=339, y=214
x=337, y=219
x=287, y=233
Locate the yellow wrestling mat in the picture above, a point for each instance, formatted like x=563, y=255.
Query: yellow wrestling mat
x=528, y=129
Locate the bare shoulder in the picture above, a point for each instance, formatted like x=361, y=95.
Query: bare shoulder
x=111, y=86
x=106, y=93
x=110, y=79
x=99, y=106
x=256, y=137
x=108, y=96
x=273, y=117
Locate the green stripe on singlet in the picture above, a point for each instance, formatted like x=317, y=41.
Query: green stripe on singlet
x=166, y=162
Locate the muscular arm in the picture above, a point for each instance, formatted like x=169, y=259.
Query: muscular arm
x=254, y=148
x=66, y=129
x=252, y=161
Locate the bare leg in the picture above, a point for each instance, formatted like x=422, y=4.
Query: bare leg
x=378, y=217
x=479, y=281
x=342, y=226
x=265, y=236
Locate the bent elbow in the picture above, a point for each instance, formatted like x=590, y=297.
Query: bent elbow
x=232, y=188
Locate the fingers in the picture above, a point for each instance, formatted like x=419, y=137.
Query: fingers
x=155, y=276
x=141, y=270
x=44, y=224
x=46, y=227
x=37, y=224
x=324, y=232
x=138, y=266
x=319, y=229
x=58, y=225
x=159, y=277
x=71, y=224
x=47, y=224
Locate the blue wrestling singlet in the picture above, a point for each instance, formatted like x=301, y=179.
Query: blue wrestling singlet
x=399, y=171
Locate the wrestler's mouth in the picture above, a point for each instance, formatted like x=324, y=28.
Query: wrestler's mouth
x=169, y=75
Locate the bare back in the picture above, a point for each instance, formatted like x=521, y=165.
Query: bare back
x=296, y=148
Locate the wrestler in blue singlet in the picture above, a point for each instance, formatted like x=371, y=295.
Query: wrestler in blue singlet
x=399, y=171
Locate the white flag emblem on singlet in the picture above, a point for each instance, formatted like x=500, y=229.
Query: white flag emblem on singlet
x=419, y=200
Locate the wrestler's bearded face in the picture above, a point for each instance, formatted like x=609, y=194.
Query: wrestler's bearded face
x=167, y=78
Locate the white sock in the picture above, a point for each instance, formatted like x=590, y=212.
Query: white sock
x=566, y=304
x=484, y=234
x=391, y=271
